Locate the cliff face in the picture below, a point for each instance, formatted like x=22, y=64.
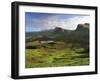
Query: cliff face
x=84, y=26
x=58, y=29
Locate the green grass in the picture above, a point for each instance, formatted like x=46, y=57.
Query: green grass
x=52, y=57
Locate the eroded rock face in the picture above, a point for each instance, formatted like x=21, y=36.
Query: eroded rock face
x=86, y=25
x=58, y=29
x=82, y=26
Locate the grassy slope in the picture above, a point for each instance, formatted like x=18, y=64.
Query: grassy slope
x=46, y=57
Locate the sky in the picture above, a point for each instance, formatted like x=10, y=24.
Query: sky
x=45, y=21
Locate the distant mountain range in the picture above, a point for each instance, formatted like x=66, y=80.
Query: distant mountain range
x=80, y=35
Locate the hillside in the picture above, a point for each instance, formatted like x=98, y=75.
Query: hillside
x=80, y=35
x=58, y=47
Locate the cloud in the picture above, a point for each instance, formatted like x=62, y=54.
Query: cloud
x=51, y=22
x=72, y=23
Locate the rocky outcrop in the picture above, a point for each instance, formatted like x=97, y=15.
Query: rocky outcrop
x=58, y=29
x=82, y=26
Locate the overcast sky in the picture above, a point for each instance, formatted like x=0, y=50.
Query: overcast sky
x=45, y=21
